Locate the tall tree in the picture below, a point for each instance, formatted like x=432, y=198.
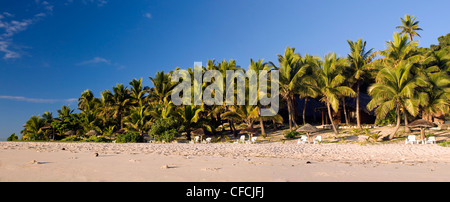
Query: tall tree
x=409, y=26
x=120, y=102
x=329, y=82
x=292, y=68
x=395, y=89
x=359, y=59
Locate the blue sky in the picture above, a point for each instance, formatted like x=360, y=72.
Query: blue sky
x=53, y=50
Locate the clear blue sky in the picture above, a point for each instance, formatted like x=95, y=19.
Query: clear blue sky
x=53, y=50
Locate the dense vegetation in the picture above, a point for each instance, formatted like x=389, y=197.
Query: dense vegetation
x=405, y=81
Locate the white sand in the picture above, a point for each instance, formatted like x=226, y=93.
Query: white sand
x=222, y=162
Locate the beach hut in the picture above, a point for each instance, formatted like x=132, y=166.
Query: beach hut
x=308, y=129
x=93, y=133
x=422, y=125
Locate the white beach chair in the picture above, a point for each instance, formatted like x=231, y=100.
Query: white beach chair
x=303, y=139
x=242, y=139
x=317, y=139
x=196, y=139
x=411, y=139
x=253, y=140
x=431, y=140
x=208, y=140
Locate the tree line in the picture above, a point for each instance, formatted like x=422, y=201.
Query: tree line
x=404, y=81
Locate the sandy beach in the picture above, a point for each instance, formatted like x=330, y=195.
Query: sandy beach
x=222, y=162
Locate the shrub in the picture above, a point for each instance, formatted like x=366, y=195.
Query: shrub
x=291, y=134
x=166, y=129
x=71, y=138
x=129, y=137
x=12, y=137
x=97, y=139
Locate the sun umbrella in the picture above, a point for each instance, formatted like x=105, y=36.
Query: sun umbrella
x=250, y=131
x=70, y=132
x=200, y=132
x=308, y=129
x=422, y=124
x=92, y=133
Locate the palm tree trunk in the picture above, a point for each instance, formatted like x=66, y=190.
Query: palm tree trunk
x=290, y=114
x=391, y=136
x=407, y=130
x=304, y=111
x=345, y=111
x=261, y=124
x=331, y=118
x=358, y=119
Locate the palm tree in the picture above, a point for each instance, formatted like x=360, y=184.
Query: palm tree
x=437, y=95
x=360, y=69
x=189, y=115
x=305, y=88
x=395, y=89
x=120, y=102
x=139, y=120
x=292, y=68
x=399, y=52
x=409, y=26
x=329, y=82
x=162, y=87
x=257, y=67
x=137, y=91
x=87, y=101
x=32, y=128
x=105, y=109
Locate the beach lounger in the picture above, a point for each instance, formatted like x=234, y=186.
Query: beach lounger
x=196, y=139
x=253, y=140
x=318, y=139
x=431, y=140
x=303, y=139
x=411, y=139
x=242, y=139
x=208, y=140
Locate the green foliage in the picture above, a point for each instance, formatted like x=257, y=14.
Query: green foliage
x=444, y=144
x=129, y=137
x=71, y=138
x=12, y=137
x=166, y=129
x=291, y=134
x=97, y=139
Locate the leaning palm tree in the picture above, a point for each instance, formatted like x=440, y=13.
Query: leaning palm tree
x=409, y=26
x=395, y=88
x=329, y=82
x=360, y=68
x=399, y=52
